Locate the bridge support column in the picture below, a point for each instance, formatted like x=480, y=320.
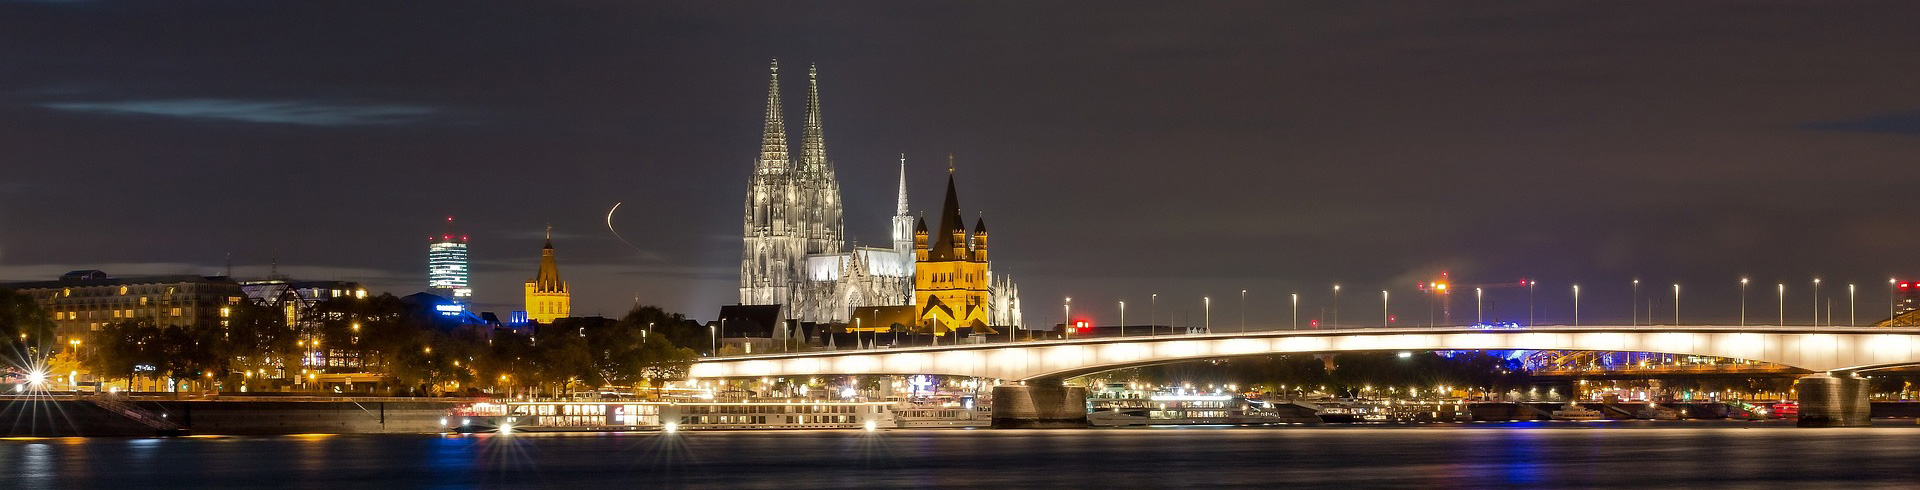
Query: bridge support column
x=1833, y=400
x=1039, y=407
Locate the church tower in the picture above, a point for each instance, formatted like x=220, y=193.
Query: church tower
x=772, y=252
x=951, y=279
x=824, y=226
x=547, y=295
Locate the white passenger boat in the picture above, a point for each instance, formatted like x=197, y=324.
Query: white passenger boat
x=600, y=416
x=1179, y=409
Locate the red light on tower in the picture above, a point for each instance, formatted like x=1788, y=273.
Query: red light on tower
x=1314, y=323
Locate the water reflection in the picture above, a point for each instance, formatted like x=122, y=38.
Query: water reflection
x=1469, y=455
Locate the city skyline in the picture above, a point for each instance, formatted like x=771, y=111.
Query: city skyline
x=1276, y=162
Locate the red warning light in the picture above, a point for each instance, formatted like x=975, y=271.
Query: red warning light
x=1393, y=318
x=1313, y=323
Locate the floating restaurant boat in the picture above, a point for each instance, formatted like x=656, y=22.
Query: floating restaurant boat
x=1576, y=412
x=1656, y=412
x=1179, y=409
x=609, y=416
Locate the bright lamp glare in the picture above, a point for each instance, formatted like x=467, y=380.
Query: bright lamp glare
x=37, y=378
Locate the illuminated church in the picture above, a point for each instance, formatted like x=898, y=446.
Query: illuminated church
x=547, y=295
x=795, y=253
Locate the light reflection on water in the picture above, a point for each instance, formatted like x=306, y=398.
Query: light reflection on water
x=1424, y=456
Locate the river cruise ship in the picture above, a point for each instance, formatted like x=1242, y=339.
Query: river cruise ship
x=1178, y=409
x=627, y=415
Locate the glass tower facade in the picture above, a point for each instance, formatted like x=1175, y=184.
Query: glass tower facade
x=447, y=264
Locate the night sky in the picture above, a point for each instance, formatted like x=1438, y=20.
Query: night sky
x=1117, y=149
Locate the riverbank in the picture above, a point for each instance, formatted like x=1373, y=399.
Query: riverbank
x=63, y=416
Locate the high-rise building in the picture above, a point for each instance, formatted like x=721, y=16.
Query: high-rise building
x=547, y=296
x=447, y=264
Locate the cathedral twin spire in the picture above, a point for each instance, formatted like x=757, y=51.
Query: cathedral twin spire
x=793, y=207
x=774, y=152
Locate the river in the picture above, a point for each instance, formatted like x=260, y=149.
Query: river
x=1511, y=455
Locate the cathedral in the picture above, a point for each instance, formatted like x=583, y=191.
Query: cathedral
x=796, y=254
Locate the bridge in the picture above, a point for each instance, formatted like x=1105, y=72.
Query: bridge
x=1832, y=396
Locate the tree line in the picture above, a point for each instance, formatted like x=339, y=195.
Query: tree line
x=266, y=348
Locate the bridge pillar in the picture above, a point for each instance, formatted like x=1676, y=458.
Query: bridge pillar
x=1039, y=407
x=1833, y=400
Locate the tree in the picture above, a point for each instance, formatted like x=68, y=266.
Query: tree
x=123, y=349
x=26, y=332
x=674, y=327
x=257, y=338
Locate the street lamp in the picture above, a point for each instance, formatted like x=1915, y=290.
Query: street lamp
x=1576, y=305
x=1852, y=315
x=1153, y=314
x=1066, y=327
x=715, y=335
x=1743, y=301
x=1479, y=306
x=1296, y=311
x=1676, y=303
x=1636, y=303
x=1530, y=285
x=1336, y=307
x=1783, y=304
x=1123, y=318
x=1243, y=311
x=1816, y=301
x=1385, y=319
x=1207, y=312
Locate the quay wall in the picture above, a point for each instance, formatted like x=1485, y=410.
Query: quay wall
x=59, y=418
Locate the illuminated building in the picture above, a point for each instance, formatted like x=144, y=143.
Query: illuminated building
x=951, y=277
x=547, y=296
x=794, y=253
x=297, y=299
x=447, y=264
x=85, y=300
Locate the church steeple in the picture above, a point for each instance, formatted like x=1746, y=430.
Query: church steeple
x=902, y=220
x=773, y=143
x=901, y=209
x=813, y=139
x=547, y=295
x=951, y=239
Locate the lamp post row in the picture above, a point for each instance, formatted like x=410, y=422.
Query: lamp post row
x=1480, y=306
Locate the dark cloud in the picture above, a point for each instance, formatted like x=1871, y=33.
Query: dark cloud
x=1907, y=123
x=1120, y=148
x=273, y=112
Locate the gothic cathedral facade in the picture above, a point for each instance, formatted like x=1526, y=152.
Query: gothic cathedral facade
x=795, y=252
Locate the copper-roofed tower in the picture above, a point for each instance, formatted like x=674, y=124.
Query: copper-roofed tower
x=547, y=295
